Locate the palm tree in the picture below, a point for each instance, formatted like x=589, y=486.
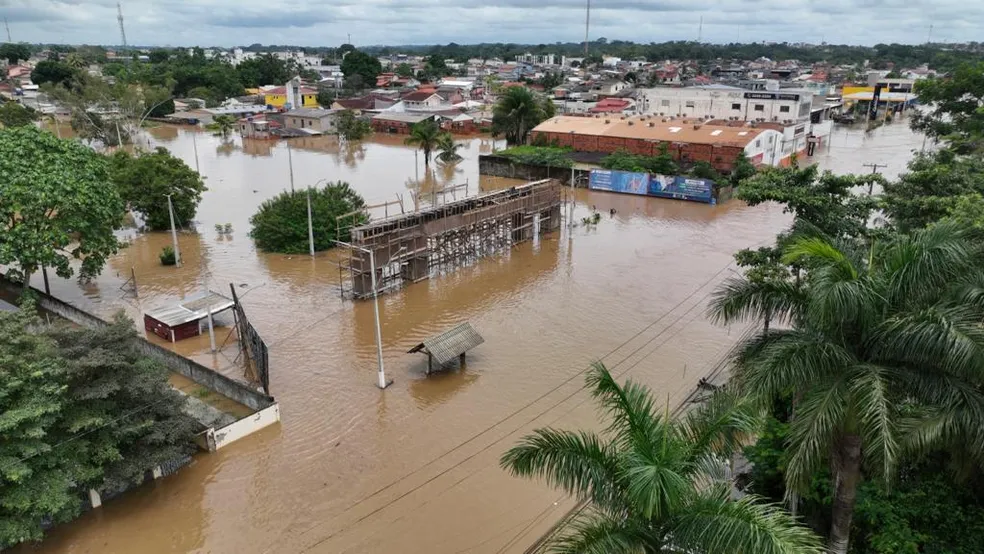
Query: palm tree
x=448, y=149
x=424, y=135
x=516, y=113
x=655, y=484
x=884, y=352
x=222, y=125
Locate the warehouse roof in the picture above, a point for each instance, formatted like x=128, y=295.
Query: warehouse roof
x=652, y=128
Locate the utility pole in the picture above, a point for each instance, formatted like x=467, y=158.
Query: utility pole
x=290, y=163
x=174, y=232
x=310, y=224
x=874, y=169
x=700, y=30
x=119, y=16
x=587, y=26
x=194, y=143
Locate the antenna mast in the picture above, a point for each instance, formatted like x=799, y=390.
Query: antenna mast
x=119, y=11
x=587, y=25
x=700, y=29
x=7, y=26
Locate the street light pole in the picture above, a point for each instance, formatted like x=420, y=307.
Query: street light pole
x=310, y=224
x=174, y=232
x=381, y=370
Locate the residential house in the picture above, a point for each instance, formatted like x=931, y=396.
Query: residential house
x=257, y=127
x=312, y=120
x=398, y=123
x=277, y=97
x=370, y=102
x=423, y=100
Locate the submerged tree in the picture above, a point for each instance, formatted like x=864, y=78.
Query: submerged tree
x=448, y=149
x=425, y=136
x=517, y=112
x=281, y=224
x=58, y=205
x=883, y=353
x=145, y=181
x=656, y=484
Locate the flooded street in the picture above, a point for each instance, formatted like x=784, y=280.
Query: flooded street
x=414, y=468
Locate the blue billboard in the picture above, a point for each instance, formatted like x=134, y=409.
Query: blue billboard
x=619, y=181
x=663, y=186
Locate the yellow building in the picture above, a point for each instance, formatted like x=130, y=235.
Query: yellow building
x=277, y=97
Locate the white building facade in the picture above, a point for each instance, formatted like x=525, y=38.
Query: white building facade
x=537, y=59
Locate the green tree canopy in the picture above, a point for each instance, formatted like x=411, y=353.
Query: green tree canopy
x=14, y=52
x=516, y=113
x=145, y=180
x=48, y=71
x=280, y=225
x=351, y=127
x=13, y=114
x=263, y=70
x=653, y=483
x=931, y=187
x=366, y=67
x=404, y=70
x=58, y=205
x=448, y=149
x=883, y=351
x=425, y=136
x=956, y=108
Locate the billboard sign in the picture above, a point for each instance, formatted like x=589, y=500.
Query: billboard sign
x=663, y=186
x=772, y=96
x=619, y=181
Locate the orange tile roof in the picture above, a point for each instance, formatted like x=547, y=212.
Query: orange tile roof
x=652, y=128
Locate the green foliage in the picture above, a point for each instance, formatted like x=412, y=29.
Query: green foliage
x=404, y=70
x=222, y=125
x=280, y=225
x=15, y=52
x=360, y=64
x=435, y=68
x=168, y=256
x=13, y=114
x=742, y=170
x=823, y=200
x=351, y=127
x=263, y=70
x=622, y=160
x=146, y=179
x=447, y=149
x=517, y=112
x=80, y=408
x=326, y=97
x=655, y=483
x=159, y=55
x=550, y=156
x=956, y=108
x=56, y=73
x=425, y=136
x=883, y=342
x=968, y=210
x=58, y=205
x=931, y=188
x=704, y=170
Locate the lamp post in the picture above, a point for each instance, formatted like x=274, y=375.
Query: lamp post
x=381, y=371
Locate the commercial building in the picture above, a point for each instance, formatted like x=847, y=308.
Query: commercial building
x=398, y=123
x=687, y=140
x=537, y=59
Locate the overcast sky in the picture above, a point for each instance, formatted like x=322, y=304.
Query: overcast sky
x=323, y=23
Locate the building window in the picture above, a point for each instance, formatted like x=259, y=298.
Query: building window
x=760, y=107
x=664, y=103
x=736, y=107
x=783, y=109
x=758, y=144
x=690, y=103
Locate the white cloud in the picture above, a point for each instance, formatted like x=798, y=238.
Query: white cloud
x=322, y=23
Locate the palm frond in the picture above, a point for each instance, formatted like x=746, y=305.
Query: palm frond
x=655, y=486
x=872, y=401
x=634, y=419
x=818, y=251
x=579, y=463
x=721, y=425
x=740, y=299
x=819, y=418
x=949, y=339
x=595, y=533
x=787, y=361
x=920, y=267
x=716, y=525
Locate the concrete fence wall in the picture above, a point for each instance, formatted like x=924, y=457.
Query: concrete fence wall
x=195, y=371
x=501, y=166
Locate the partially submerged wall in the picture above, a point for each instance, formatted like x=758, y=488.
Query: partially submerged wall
x=501, y=166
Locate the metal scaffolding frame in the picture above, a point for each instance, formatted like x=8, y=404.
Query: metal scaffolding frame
x=415, y=246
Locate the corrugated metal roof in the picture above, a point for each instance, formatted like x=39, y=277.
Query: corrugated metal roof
x=192, y=310
x=652, y=128
x=450, y=344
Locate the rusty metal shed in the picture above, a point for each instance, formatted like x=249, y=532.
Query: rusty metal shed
x=447, y=346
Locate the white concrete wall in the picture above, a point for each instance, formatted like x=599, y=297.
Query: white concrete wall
x=722, y=104
x=247, y=426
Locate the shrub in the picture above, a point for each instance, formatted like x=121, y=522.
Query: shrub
x=623, y=160
x=539, y=155
x=280, y=225
x=167, y=256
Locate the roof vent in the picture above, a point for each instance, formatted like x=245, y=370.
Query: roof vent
x=608, y=121
x=696, y=127
x=650, y=124
x=631, y=123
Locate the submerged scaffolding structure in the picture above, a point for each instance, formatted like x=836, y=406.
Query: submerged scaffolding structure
x=415, y=246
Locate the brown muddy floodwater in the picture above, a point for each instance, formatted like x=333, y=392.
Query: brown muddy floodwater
x=414, y=468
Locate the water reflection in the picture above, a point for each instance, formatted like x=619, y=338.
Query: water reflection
x=259, y=147
x=435, y=389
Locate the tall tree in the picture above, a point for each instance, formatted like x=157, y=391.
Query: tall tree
x=58, y=205
x=280, y=225
x=425, y=136
x=932, y=186
x=263, y=70
x=48, y=71
x=516, y=113
x=366, y=67
x=884, y=351
x=14, y=52
x=956, y=108
x=13, y=114
x=146, y=179
x=222, y=125
x=655, y=484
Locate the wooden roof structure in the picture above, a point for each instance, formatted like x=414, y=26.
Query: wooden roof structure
x=449, y=345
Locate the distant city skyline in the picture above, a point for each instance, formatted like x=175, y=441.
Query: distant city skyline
x=312, y=23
